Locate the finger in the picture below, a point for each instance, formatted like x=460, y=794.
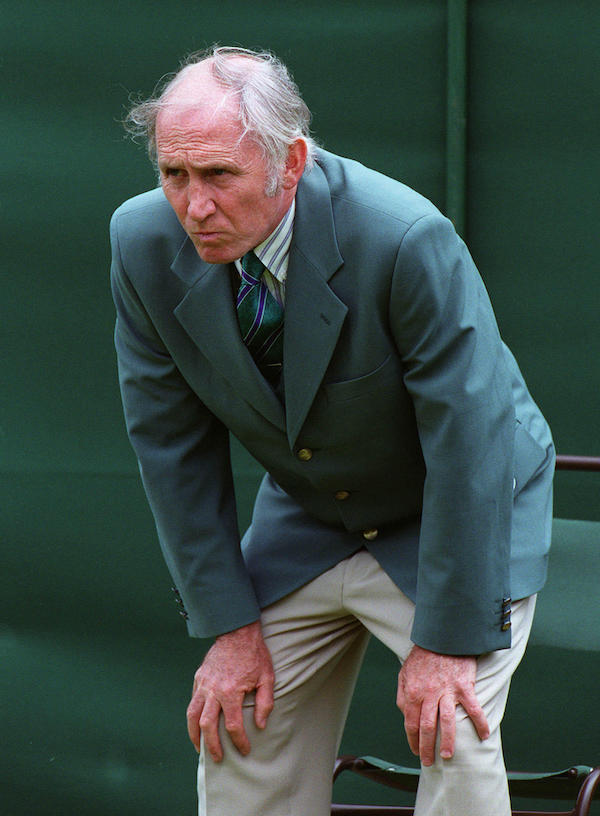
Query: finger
x=447, y=723
x=428, y=731
x=263, y=704
x=193, y=714
x=412, y=718
x=209, y=725
x=412, y=714
x=401, y=696
x=470, y=703
x=234, y=724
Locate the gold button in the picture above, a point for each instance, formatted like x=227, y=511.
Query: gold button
x=370, y=534
x=506, y=626
x=305, y=454
x=341, y=495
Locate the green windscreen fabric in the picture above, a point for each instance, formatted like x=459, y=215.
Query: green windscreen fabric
x=97, y=668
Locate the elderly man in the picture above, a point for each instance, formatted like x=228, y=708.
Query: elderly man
x=331, y=319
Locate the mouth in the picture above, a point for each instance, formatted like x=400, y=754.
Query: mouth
x=206, y=235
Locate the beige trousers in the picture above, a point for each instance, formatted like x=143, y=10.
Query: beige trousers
x=317, y=637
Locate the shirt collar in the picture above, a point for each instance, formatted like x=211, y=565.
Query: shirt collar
x=273, y=251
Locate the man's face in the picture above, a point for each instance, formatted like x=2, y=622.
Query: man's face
x=215, y=183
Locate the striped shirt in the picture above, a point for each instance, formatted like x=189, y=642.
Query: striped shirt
x=274, y=253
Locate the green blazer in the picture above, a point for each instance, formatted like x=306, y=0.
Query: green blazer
x=406, y=426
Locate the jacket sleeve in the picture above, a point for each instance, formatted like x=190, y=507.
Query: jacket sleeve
x=183, y=456
x=455, y=372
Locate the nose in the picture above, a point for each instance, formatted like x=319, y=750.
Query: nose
x=200, y=202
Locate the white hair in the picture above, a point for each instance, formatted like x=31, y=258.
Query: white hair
x=271, y=111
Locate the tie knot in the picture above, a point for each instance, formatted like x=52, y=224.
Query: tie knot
x=252, y=267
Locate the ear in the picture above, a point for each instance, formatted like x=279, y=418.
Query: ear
x=294, y=164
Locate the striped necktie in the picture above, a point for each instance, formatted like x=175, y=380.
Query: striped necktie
x=260, y=317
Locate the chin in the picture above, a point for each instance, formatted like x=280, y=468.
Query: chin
x=215, y=255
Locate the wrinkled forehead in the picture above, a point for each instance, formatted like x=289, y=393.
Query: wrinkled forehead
x=200, y=134
x=195, y=118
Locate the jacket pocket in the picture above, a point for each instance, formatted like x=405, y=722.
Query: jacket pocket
x=366, y=384
x=529, y=458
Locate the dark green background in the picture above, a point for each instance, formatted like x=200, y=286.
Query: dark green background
x=96, y=666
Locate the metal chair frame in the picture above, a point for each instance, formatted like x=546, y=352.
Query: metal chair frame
x=578, y=782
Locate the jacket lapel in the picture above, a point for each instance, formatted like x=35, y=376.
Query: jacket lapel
x=313, y=313
x=207, y=314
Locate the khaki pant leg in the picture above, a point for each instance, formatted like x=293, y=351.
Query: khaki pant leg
x=317, y=650
x=473, y=782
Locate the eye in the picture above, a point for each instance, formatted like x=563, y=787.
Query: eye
x=172, y=172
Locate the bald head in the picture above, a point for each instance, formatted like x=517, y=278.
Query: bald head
x=197, y=85
x=196, y=92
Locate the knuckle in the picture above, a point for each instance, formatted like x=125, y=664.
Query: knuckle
x=234, y=729
x=411, y=727
x=230, y=690
x=413, y=697
x=224, y=688
x=194, y=709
